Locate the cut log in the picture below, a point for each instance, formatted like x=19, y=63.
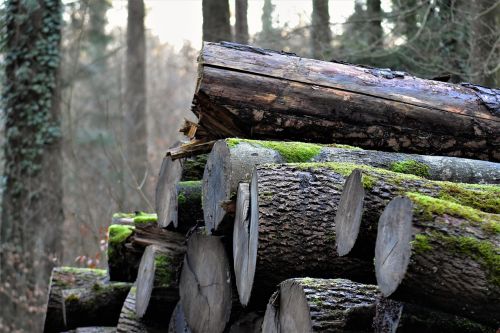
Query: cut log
x=249, y=92
x=205, y=284
x=393, y=316
x=437, y=254
x=248, y=323
x=232, y=160
x=178, y=322
x=126, y=244
x=193, y=167
x=291, y=206
x=76, y=297
x=130, y=323
x=157, y=282
x=166, y=189
x=321, y=305
x=95, y=329
x=356, y=237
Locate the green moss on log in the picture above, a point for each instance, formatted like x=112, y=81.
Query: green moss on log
x=163, y=267
x=117, y=235
x=421, y=243
x=291, y=152
x=485, y=198
x=336, y=145
x=145, y=218
x=411, y=167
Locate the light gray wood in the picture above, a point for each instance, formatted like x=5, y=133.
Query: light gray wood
x=241, y=236
x=178, y=322
x=130, y=323
x=166, y=190
x=349, y=212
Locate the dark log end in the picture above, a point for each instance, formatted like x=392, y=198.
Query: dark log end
x=393, y=247
x=241, y=236
x=349, y=211
x=215, y=188
x=166, y=191
x=205, y=284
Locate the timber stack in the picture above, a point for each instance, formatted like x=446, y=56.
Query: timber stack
x=312, y=197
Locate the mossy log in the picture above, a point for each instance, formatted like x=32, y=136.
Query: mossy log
x=130, y=323
x=205, y=284
x=439, y=260
x=80, y=296
x=157, y=282
x=290, y=207
x=178, y=322
x=127, y=243
x=368, y=191
x=321, y=305
x=393, y=316
x=249, y=92
x=232, y=160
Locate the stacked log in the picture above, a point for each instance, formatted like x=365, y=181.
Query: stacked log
x=356, y=240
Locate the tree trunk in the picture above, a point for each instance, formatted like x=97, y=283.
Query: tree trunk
x=392, y=316
x=32, y=213
x=290, y=206
x=178, y=322
x=157, y=283
x=240, y=94
x=232, y=160
x=216, y=25
x=321, y=35
x=130, y=323
x=136, y=159
x=425, y=256
x=205, y=284
x=241, y=26
x=77, y=294
x=372, y=188
x=321, y=305
x=375, y=32
x=178, y=204
x=126, y=245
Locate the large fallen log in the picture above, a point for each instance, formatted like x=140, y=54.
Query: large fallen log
x=157, y=282
x=232, y=160
x=126, y=244
x=83, y=297
x=130, y=323
x=434, y=253
x=205, y=284
x=249, y=92
x=367, y=191
x=339, y=305
x=296, y=204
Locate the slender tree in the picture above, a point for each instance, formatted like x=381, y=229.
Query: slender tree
x=216, y=26
x=321, y=35
x=32, y=213
x=375, y=31
x=241, y=28
x=135, y=119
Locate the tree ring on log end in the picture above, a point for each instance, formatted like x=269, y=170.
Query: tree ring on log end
x=294, y=312
x=393, y=246
x=349, y=212
x=241, y=239
x=145, y=281
x=166, y=191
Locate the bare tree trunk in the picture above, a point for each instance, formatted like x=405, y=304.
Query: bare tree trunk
x=216, y=25
x=241, y=28
x=32, y=213
x=135, y=120
x=321, y=35
x=375, y=32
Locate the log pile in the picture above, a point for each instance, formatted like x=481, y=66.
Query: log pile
x=313, y=235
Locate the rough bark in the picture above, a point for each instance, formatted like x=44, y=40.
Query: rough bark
x=393, y=316
x=79, y=296
x=136, y=159
x=321, y=34
x=178, y=322
x=31, y=212
x=178, y=204
x=205, y=284
x=232, y=160
x=321, y=305
x=356, y=237
x=429, y=257
x=241, y=26
x=157, y=283
x=93, y=330
x=248, y=323
x=126, y=245
x=255, y=93
x=216, y=26
x=130, y=323
x=290, y=207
